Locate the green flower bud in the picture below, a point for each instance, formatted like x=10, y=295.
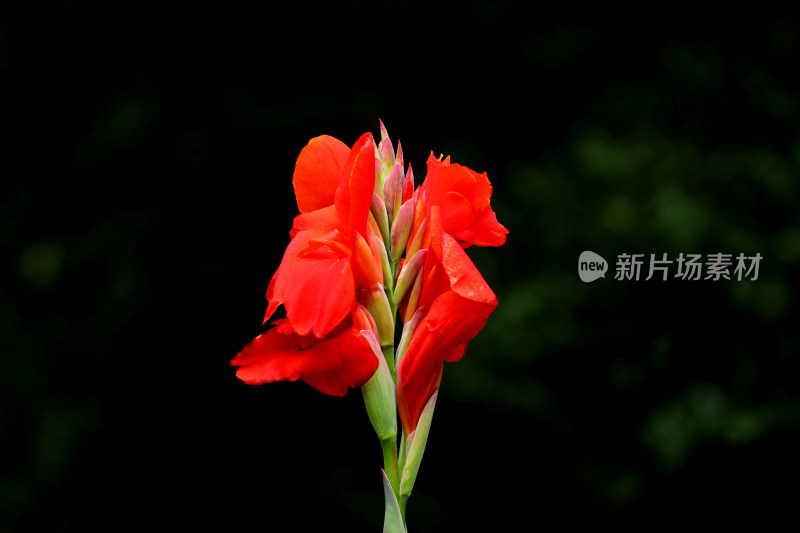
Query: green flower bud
x=415, y=445
x=379, y=396
x=377, y=303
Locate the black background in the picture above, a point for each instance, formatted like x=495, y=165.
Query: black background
x=146, y=202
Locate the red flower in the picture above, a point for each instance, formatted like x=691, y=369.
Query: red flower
x=344, y=359
x=326, y=260
x=455, y=304
x=464, y=198
x=328, y=255
x=362, y=224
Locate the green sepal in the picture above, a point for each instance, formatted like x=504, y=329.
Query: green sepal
x=379, y=399
x=416, y=447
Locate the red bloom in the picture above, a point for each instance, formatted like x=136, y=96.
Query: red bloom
x=335, y=256
x=326, y=260
x=455, y=303
x=362, y=225
x=464, y=198
x=331, y=365
x=328, y=255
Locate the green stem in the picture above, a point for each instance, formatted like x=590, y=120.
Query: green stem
x=389, y=447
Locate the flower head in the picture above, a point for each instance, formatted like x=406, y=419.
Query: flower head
x=463, y=197
x=365, y=235
x=454, y=304
x=326, y=262
x=366, y=244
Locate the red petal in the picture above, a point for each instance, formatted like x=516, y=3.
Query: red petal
x=315, y=284
x=448, y=266
x=457, y=212
x=362, y=262
x=464, y=278
x=275, y=290
x=440, y=336
x=354, y=195
x=486, y=231
x=319, y=293
x=330, y=365
x=323, y=220
x=344, y=361
x=443, y=177
x=456, y=353
x=318, y=172
x=459, y=303
x=451, y=320
x=412, y=397
x=464, y=197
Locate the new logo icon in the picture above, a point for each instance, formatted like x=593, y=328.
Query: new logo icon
x=591, y=266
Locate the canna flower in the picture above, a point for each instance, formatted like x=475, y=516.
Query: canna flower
x=366, y=245
x=454, y=303
x=329, y=254
x=450, y=302
x=328, y=260
x=346, y=358
x=463, y=197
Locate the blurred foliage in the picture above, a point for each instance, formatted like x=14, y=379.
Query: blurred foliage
x=147, y=199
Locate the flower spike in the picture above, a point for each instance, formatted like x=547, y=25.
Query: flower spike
x=366, y=243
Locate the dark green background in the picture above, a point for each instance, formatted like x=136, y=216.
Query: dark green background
x=146, y=201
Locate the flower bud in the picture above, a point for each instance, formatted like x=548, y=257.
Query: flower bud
x=373, y=224
x=378, y=210
x=375, y=246
x=384, y=132
x=408, y=275
x=398, y=158
x=377, y=303
x=386, y=153
x=363, y=320
x=384, y=150
x=408, y=333
x=365, y=271
x=392, y=190
x=401, y=228
x=416, y=243
x=415, y=447
x=413, y=297
x=380, y=175
x=386, y=268
x=399, y=269
x=408, y=186
x=379, y=395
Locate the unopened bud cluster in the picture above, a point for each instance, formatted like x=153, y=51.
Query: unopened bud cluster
x=401, y=258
